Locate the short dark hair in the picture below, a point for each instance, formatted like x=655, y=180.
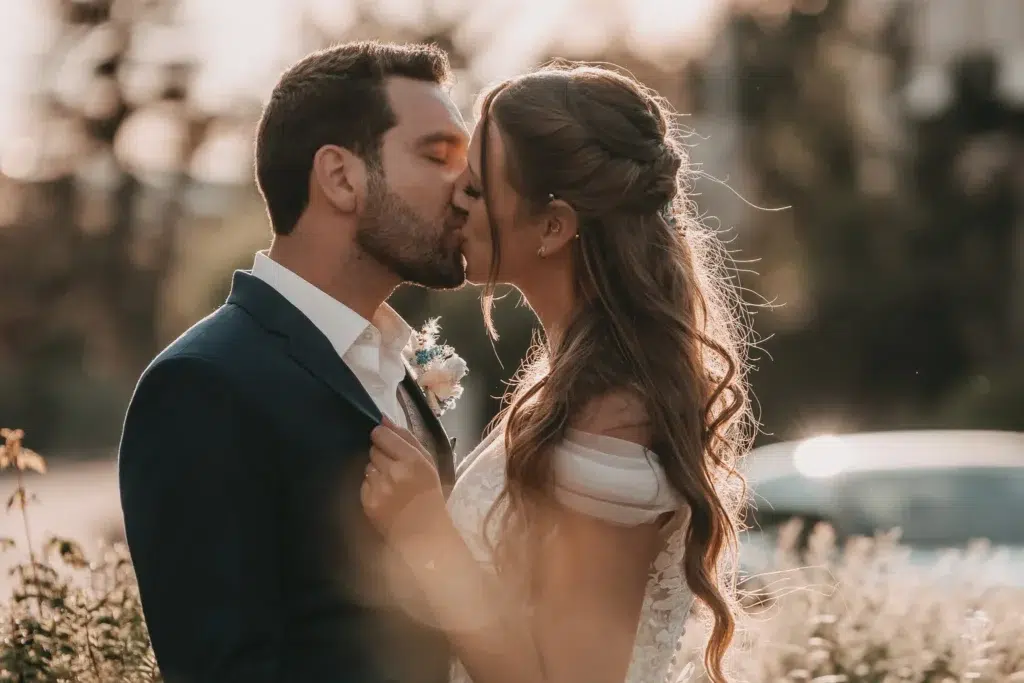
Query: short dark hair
x=334, y=96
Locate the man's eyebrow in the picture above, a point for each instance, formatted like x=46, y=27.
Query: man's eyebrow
x=442, y=136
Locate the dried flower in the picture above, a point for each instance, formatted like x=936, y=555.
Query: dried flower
x=868, y=613
x=13, y=454
x=438, y=369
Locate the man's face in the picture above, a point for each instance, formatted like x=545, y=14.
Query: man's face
x=408, y=224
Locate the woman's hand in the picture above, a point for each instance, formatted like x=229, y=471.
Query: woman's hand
x=401, y=493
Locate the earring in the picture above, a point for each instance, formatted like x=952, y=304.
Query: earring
x=542, y=252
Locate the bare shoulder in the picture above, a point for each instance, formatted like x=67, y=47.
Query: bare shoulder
x=621, y=414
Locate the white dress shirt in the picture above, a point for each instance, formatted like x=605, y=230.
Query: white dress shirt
x=372, y=350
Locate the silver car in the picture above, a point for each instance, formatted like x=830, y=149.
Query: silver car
x=942, y=489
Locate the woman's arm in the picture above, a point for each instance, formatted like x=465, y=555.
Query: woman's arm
x=592, y=578
x=583, y=628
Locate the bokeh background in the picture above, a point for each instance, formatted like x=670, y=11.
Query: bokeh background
x=864, y=159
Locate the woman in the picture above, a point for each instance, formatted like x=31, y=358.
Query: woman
x=610, y=473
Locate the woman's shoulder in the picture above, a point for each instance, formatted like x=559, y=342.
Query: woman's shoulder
x=490, y=442
x=604, y=467
x=618, y=414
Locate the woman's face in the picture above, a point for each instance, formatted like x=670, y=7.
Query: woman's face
x=518, y=238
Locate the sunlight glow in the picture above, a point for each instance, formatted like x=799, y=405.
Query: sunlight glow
x=42, y=147
x=529, y=31
x=223, y=157
x=26, y=31
x=331, y=16
x=669, y=27
x=241, y=53
x=151, y=142
x=402, y=14
x=822, y=456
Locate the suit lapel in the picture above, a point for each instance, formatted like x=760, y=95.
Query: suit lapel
x=306, y=344
x=445, y=446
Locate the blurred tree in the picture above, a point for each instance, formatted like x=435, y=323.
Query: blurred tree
x=809, y=85
x=968, y=171
x=95, y=191
x=895, y=262
x=970, y=157
x=903, y=229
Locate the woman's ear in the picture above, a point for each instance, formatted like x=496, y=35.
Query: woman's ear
x=560, y=228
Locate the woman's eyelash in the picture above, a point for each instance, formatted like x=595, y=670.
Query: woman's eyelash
x=472, y=192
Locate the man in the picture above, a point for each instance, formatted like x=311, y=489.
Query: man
x=246, y=440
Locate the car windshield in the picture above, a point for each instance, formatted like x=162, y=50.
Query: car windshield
x=938, y=507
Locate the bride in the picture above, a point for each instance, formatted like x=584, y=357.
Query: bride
x=605, y=500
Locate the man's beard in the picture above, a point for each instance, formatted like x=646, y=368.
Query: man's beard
x=419, y=252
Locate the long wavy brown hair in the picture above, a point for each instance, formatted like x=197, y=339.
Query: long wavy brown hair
x=658, y=314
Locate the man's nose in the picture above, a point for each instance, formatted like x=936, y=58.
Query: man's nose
x=459, y=214
x=460, y=202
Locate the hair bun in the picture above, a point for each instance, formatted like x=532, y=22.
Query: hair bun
x=658, y=182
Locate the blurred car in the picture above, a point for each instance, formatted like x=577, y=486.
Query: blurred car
x=942, y=489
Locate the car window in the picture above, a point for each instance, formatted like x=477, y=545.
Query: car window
x=935, y=508
x=778, y=500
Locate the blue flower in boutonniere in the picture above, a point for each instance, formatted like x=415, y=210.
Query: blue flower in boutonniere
x=437, y=368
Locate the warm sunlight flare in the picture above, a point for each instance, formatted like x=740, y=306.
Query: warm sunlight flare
x=240, y=54
x=670, y=27
x=26, y=29
x=821, y=456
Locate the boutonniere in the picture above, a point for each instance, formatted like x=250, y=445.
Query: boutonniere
x=438, y=370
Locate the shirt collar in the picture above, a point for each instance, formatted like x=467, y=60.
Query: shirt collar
x=340, y=324
x=395, y=333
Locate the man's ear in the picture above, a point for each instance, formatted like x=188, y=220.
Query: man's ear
x=340, y=177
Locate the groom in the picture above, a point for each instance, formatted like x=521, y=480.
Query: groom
x=246, y=440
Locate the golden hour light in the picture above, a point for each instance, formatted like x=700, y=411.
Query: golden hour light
x=512, y=341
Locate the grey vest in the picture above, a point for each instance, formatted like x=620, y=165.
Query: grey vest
x=427, y=428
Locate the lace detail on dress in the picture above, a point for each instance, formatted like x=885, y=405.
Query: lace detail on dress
x=667, y=600
x=667, y=604
x=475, y=492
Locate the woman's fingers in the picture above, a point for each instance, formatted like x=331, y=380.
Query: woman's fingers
x=394, y=470
x=395, y=445
x=379, y=481
x=402, y=433
x=375, y=490
x=380, y=458
x=399, y=473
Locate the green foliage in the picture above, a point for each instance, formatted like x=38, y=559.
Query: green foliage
x=69, y=618
x=72, y=619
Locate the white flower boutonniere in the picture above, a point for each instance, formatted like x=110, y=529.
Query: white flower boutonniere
x=438, y=369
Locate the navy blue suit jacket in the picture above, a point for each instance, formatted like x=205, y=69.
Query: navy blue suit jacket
x=240, y=464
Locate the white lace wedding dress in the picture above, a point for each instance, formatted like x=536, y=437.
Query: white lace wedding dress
x=613, y=480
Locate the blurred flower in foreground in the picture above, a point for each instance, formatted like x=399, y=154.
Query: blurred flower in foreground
x=13, y=454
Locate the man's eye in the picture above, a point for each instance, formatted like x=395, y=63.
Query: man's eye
x=437, y=153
